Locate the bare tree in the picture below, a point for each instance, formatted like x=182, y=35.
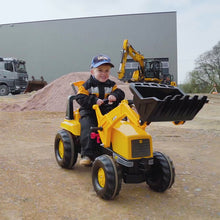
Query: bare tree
x=206, y=75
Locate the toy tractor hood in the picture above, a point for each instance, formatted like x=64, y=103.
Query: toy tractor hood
x=158, y=102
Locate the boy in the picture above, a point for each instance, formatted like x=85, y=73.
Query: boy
x=97, y=88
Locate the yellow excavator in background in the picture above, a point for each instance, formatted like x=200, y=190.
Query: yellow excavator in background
x=148, y=71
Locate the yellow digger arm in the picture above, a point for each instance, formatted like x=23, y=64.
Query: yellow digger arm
x=109, y=120
x=129, y=50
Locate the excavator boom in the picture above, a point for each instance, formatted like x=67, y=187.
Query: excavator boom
x=129, y=50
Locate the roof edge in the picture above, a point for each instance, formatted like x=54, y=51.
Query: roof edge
x=90, y=17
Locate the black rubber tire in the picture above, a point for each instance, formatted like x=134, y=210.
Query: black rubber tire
x=4, y=90
x=162, y=173
x=70, y=152
x=113, y=177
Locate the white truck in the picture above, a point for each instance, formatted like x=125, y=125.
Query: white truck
x=13, y=76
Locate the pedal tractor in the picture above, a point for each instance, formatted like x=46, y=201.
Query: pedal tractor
x=124, y=148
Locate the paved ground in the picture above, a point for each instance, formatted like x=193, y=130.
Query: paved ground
x=33, y=186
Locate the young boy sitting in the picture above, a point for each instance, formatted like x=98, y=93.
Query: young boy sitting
x=97, y=88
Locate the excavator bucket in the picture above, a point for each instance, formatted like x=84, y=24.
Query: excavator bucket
x=35, y=84
x=158, y=102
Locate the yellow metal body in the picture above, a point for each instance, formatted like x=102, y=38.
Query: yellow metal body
x=156, y=80
x=72, y=126
x=117, y=133
x=173, y=83
x=122, y=135
x=135, y=76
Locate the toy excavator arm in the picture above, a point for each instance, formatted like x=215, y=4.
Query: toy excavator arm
x=129, y=50
x=107, y=122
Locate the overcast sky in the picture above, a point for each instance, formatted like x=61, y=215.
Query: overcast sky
x=198, y=21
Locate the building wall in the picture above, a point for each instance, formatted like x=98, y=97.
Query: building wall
x=57, y=47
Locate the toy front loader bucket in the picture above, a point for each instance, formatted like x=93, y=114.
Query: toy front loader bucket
x=158, y=102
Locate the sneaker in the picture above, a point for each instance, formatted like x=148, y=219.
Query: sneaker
x=86, y=161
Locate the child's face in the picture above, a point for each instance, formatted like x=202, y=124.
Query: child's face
x=102, y=72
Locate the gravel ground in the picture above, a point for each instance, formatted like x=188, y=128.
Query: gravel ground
x=33, y=186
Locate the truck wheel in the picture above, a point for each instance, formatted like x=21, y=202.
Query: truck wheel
x=4, y=90
x=162, y=173
x=65, y=149
x=106, y=177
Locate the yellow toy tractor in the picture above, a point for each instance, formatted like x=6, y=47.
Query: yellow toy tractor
x=124, y=148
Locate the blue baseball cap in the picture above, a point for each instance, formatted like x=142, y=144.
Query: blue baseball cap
x=99, y=60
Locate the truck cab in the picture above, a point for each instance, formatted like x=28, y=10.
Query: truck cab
x=13, y=76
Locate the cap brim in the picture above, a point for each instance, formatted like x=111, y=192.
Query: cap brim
x=101, y=63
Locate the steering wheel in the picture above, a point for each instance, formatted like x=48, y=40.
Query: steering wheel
x=107, y=106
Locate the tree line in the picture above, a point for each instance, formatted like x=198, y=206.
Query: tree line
x=206, y=74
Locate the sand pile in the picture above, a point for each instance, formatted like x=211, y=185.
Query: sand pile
x=53, y=97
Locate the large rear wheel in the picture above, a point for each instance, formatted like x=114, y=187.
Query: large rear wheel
x=162, y=173
x=106, y=177
x=65, y=149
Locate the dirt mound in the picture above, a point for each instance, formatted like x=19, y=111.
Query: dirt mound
x=53, y=97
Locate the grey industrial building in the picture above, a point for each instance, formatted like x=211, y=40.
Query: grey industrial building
x=57, y=47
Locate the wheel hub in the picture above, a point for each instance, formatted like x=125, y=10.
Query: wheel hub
x=61, y=149
x=101, y=177
x=2, y=91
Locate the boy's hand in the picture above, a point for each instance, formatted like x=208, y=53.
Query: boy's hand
x=99, y=102
x=111, y=98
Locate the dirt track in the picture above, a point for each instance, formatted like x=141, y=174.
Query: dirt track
x=33, y=186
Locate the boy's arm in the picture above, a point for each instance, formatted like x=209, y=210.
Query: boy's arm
x=118, y=93
x=85, y=99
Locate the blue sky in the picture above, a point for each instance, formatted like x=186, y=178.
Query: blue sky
x=198, y=21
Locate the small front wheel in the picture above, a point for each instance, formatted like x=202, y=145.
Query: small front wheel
x=65, y=149
x=106, y=177
x=162, y=173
